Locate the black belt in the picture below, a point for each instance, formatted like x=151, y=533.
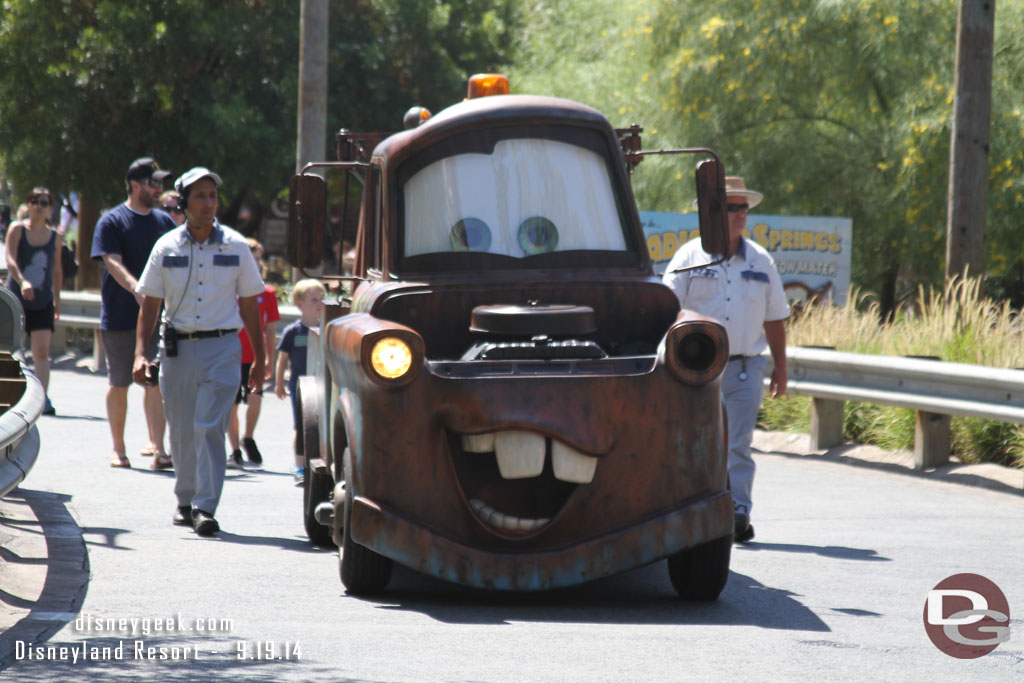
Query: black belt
x=205, y=334
x=738, y=357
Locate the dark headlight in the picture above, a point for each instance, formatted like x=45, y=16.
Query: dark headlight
x=695, y=350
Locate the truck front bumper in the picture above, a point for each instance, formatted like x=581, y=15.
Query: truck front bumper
x=382, y=530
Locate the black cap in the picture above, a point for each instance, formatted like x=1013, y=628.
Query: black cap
x=144, y=169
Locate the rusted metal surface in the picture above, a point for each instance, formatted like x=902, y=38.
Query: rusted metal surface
x=632, y=439
x=414, y=545
x=356, y=146
x=658, y=442
x=631, y=313
x=307, y=210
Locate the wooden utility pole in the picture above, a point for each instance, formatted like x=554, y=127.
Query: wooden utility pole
x=312, y=134
x=88, y=215
x=969, y=144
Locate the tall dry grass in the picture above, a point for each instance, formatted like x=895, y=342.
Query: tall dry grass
x=957, y=323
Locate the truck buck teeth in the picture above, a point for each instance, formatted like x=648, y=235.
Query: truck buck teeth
x=520, y=455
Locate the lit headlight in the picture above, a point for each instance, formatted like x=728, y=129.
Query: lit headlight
x=391, y=357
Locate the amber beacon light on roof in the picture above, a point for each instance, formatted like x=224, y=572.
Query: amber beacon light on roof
x=484, y=85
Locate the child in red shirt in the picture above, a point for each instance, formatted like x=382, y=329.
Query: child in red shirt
x=269, y=315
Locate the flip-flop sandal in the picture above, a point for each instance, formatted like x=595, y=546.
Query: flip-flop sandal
x=162, y=462
x=122, y=462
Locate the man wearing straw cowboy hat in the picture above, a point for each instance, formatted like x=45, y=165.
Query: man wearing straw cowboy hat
x=744, y=293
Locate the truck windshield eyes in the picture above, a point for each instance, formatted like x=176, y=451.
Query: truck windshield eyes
x=470, y=234
x=507, y=202
x=537, y=235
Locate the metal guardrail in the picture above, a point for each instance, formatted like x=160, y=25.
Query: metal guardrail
x=935, y=389
x=81, y=310
x=22, y=398
x=19, y=436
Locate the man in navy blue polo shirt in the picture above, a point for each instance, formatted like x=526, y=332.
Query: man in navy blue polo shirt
x=124, y=237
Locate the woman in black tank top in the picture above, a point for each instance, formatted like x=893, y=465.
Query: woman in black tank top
x=34, y=275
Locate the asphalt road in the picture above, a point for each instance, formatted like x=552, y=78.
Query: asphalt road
x=833, y=588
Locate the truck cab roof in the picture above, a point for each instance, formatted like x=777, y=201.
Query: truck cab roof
x=506, y=183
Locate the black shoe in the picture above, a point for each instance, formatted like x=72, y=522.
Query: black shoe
x=204, y=523
x=182, y=516
x=251, y=451
x=235, y=461
x=743, y=530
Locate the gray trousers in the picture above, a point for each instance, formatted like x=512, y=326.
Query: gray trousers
x=742, y=401
x=199, y=387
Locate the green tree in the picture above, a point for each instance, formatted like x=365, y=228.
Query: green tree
x=389, y=55
x=831, y=107
x=89, y=85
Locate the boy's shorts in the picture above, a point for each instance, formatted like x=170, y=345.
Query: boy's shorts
x=296, y=410
x=243, y=389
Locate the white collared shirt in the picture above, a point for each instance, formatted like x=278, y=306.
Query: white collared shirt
x=200, y=283
x=741, y=293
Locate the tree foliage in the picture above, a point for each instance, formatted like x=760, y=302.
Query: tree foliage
x=89, y=85
x=389, y=55
x=830, y=107
x=836, y=107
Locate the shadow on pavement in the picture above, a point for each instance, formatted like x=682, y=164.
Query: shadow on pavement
x=87, y=418
x=833, y=551
x=301, y=545
x=66, y=564
x=953, y=472
x=642, y=596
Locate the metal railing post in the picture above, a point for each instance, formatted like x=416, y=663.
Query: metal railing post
x=932, y=440
x=826, y=423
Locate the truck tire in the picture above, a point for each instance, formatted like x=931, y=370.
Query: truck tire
x=316, y=488
x=363, y=572
x=700, y=573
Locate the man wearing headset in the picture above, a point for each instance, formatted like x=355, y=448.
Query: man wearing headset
x=207, y=280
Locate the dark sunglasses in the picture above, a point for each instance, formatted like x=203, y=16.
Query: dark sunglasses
x=155, y=184
x=40, y=202
x=733, y=208
x=173, y=209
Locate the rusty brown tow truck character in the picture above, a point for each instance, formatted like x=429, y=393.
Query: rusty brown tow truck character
x=510, y=399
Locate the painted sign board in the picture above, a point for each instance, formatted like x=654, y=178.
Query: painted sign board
x=811, y=253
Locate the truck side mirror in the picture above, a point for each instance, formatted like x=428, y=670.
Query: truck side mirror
x=711, y=207
x=307, y=216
